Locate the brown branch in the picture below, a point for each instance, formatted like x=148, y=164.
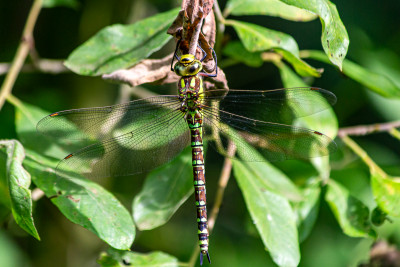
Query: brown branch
x=22, y=52
x=223, y=181
x=52, y=66
x=37, y=194
x=368, y=129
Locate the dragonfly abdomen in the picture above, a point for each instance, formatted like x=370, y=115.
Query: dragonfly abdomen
x=194, y=120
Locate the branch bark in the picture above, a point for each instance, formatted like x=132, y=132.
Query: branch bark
x=22, y=52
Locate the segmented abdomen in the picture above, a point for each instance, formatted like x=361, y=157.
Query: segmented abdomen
x=194, y=120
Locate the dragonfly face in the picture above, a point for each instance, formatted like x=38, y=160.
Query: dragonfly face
x=187, y=65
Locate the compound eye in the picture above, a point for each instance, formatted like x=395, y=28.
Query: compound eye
x=193, y=68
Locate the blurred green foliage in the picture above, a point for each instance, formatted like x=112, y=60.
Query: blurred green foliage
x=331, y=217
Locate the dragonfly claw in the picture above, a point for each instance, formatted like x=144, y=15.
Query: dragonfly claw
x=201, y=258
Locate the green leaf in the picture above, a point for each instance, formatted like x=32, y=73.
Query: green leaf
x=237, y=51
x=351, y=213
x=272, y=215
x=164, y=191
x=386, y=191
x=19, y=180
x=26, y=118
x=307, y=209
x=256, y=38
x=270, y=176
x=117, y=258
x=325, y=121
x=335, y=40
x=377, y=83
x=55, y=3
x=300, y=66
x=386, y=63
x=83, y=202
x=267, y=7
x=121, y=46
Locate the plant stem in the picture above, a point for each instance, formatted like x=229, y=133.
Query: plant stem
x=22, y=52
x=220, y=27
x=374, y=168
x=223, y=181
x=395, y=133
x=368, y=129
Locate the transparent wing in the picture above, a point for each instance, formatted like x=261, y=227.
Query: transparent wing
x=149, y=146
x=279, y=105
x=104, y=122
x=135, y=136
x=276, y=142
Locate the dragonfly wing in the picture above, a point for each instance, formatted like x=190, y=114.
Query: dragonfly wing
x=276, y=142
x=143, y=149
x=104, y=122
x=279, y=105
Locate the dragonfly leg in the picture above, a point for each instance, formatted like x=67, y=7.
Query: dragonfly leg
x=203, y=73
x=175, y=54
x=204, y=53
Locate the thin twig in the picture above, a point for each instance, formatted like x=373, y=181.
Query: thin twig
x=22, y=52
x=374, y=168
x=52, y=66
x=37, y=194
x=368, y=129
x=223, y=181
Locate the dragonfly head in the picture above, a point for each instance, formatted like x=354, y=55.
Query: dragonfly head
x=188, y=65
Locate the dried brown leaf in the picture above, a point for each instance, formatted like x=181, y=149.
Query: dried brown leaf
x=218, y=82
x=147, y=71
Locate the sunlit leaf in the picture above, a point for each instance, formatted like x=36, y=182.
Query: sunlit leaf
x=164, y=191
x=238, y=52
x=121, y=46
x=256, y=38
x=272, y=216
x=12, y=154
x=270, y=176
x=26, y=118
x=351, y=214
x=117, y=258
x=377, y=83
x=325, y=121
x=83, y=202
x=386, y=191
x=307, y=209
x=300, y=66
x=335, y=40
x=267, y=7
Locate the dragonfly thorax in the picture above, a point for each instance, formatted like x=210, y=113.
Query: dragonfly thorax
x=188, y=65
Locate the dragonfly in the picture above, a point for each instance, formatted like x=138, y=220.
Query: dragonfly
x=142, y=134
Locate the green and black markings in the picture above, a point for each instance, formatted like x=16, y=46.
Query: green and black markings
x=190, y=88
